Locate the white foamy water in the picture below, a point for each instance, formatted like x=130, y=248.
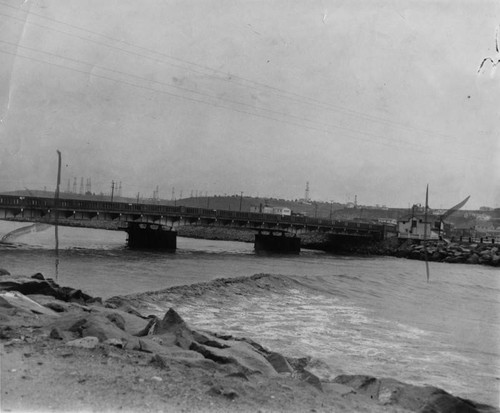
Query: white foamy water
x=373, y=316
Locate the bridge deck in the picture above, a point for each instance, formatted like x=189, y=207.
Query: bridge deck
x=39, y=209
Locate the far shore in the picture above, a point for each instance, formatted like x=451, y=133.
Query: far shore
x=463, y=252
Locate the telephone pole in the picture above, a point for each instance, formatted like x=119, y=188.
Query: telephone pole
x=112, y=189
x=56, y=212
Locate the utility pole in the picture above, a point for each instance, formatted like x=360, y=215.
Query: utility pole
x=241, y=199
x=56, y=204
x=112, y=189
x=58, y=178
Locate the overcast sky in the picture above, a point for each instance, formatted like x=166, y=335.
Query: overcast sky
x=367, y=98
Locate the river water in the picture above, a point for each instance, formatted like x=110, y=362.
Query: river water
x=374, y=315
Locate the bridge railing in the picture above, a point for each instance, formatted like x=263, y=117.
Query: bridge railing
x=18, y=202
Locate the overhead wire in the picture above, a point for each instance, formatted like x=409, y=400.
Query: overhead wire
x=296, y=97
x=388, y=143
x=274, y=112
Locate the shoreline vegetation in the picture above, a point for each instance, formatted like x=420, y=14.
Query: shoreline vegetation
x=63, y=350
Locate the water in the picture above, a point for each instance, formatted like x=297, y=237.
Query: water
x=373, y=316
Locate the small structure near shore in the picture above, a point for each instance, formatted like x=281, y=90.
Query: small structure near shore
x=415, y=226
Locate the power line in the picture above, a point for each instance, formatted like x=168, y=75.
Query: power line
x=389, y=143
x=218, y=105
x=274, y=112
x=303, y=99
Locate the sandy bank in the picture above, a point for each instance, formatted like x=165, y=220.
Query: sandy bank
x=63, y=350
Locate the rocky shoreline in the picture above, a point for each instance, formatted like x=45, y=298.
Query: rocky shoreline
x=63, y=350
x=437, y=251
x=452, y=252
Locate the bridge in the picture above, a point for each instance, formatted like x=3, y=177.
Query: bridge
x=153, y=225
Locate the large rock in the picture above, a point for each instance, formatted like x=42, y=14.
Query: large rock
x=102, y=328
x=424, y=399
x=173, y=330
x=279, y=363
x=89, y=326
x=29, y=286
x=14, y=299
x=238, y=353
x=86, y=342
x=473, y=259
x=495, y=260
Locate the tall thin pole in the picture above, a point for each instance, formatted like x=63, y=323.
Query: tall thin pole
x=56, y=210
x=112, y=189
x=425, y=231
x=241, y=200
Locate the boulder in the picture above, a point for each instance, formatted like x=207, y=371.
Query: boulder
x=149, y=346
x=279, y=363
x=117, y=320
x=473, y=259
x=115, y=342
x=17, y=300
x=102, y=328
x=94, y=325
x=28, y=286
x=38, y=276
x=425, y=399
x=86, y=342
x=495, y=260
x=171, y=322
x=64, y=335
x=172, y=328
x=125, y=321
x=485, y=259
x=308, y=377
x=437, y=256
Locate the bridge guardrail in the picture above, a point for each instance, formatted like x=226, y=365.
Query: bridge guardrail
x=18, y=202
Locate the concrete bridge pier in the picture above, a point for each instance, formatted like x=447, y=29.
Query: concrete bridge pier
x=277, y=243
x=145, y=235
